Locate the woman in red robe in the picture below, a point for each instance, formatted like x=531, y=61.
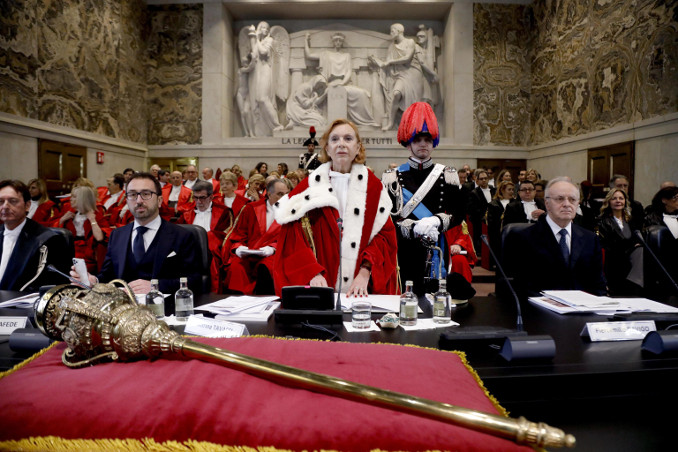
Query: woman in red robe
x=341, y=191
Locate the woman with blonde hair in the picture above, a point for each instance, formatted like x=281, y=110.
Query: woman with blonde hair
x=42, y=209
x=89, y=226
x=623, y=264
x=341, y=192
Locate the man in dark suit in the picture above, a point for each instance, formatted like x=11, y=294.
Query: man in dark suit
x=150, y=247
x=526, y=209
x=26, y=247
x=478, y=200
x=637, y=211
x=554, y=253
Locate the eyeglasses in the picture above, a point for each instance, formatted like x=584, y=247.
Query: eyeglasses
x=562, y=199
x=145, y=195
x=200, y=198
x=526, y=189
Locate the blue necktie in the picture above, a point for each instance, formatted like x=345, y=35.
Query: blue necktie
x=563, y=245
x=138, y=248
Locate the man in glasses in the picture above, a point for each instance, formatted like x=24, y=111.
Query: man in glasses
x=150, y=247
x=526, y=209
x=212, y=217
x=564, y=256
x=26, y=247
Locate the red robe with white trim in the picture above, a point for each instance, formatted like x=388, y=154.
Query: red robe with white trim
x=369, y=234
x=250, y=231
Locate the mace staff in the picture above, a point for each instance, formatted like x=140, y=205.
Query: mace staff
x=107, y=323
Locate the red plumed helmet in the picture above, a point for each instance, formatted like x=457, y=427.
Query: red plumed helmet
x=418, y=118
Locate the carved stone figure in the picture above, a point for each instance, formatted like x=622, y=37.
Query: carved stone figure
x=269, y=78
x=303, y=107
x=242, y=97
x=426, y=55
x=336, y=67
x=401, y=75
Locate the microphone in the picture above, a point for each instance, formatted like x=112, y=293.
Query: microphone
x=516, y=342
x=52, y=268
x=639, y=236
x=519, y=315
x=340, y=225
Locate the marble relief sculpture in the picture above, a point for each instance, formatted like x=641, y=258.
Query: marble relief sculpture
x=401, y=75
x=336, y=67
x=304, y=106
x=269, y=78
x=369, y=82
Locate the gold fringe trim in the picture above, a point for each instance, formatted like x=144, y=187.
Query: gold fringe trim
x=54, y=443
x=27, y=360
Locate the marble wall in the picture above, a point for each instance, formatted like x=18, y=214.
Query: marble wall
x=114, y=68
x=501, y=74
x=562, y=68
x=174, y=74
x=602, y=63
x=77, y=64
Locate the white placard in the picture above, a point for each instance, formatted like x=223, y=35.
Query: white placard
x=9, y=324
x=208, y=327
x=618, y=331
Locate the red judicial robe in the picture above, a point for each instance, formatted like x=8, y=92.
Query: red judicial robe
x=250, y=231
x=87, y=247
x=185, y=202
x=459, y=235
x=219, y=224
x=369, y=234
x=217, y=266
x=45, y=213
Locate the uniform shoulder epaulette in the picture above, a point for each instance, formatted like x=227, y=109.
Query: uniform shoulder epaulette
x=389, y=176
x=451, y=176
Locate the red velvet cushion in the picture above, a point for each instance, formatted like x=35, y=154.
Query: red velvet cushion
x=174, y=400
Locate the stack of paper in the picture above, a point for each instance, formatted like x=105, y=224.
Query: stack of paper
x=576, y=301
x=243, y=308
x=24, y=302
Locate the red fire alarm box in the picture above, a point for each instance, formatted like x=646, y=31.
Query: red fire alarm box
x=100, y=157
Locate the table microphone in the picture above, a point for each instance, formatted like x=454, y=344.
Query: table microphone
x=517, y=344
x=52, y=268
x=340, y=225
x=639, y=236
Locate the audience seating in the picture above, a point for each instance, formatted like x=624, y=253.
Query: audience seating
x=662, y=243
x=206, y=257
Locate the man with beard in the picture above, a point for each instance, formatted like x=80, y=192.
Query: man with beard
x=150, y=247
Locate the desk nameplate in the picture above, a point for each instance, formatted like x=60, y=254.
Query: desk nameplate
x=618, y=331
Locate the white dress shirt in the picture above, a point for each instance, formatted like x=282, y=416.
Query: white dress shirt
x=204, y=219
x=228, y=202
x=671, y=222
x=112, y=200
x=556, y=231
x=149, y=235
x=174, y=193
x=487, y=193
x=9, y=239
x=339, y=182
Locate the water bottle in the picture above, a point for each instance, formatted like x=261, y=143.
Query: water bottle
x=409, y=304
x=155, y=301
x=183, y=301
x=441, y=303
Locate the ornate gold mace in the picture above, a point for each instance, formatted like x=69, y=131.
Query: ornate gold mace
x=106, y=323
